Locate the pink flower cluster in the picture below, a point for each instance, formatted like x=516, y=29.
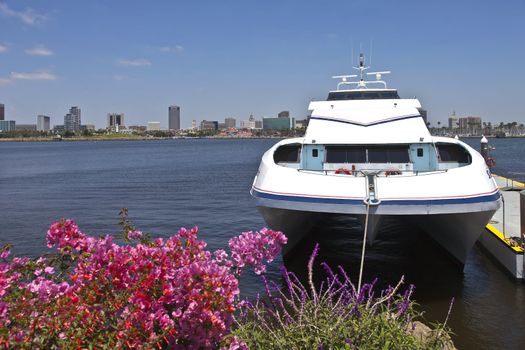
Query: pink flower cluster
x=254, y=248
x=166, y=293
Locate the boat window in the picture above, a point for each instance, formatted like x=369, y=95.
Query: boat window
x=388, y=154
x=355, y=155
x=420, y=152
x=362, y=95
x=371, y=95
x=367, y=154
x=389, y=95
x=287, y=154
x=398, y=154
x=449, y=152
x=345, y=154
x=377, y=155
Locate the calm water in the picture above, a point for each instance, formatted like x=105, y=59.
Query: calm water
x=173, y=183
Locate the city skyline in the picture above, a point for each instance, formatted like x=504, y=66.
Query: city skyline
x=245, y=57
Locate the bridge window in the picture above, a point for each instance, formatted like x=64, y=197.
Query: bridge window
x=450, y=152
x=345, y=154
x=388, y=154
x=368, y=154
x=287, y=154
x=362, y=95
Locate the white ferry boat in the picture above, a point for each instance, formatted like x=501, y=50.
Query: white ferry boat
x=368, y=153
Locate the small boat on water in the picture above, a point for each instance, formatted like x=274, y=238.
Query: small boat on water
x=368, y=153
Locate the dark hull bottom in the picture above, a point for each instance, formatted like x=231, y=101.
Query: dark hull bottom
x=456, y=233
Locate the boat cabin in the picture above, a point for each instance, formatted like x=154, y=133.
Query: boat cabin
x=393, y=159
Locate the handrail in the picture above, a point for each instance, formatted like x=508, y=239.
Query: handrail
x=358, y=173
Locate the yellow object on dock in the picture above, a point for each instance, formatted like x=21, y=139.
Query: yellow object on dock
x=508, y=184
x=506, y=240
x=502, y=236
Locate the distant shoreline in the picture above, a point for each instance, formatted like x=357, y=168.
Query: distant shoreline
x=153, y=138
x=70, y=139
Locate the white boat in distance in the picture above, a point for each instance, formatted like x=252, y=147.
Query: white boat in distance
x=366, y=150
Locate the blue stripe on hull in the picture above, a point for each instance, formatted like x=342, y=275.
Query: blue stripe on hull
x=480, y=199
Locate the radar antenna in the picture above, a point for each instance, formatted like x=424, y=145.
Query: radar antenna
x=362, y=83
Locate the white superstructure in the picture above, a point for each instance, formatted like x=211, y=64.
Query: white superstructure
x=368, y=146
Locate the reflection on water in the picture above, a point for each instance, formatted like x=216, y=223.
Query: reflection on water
x=477, y=319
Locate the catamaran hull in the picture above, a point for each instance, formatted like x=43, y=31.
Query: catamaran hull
x=456, y=233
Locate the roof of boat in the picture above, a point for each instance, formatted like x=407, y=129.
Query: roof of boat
x=365, y=115
x=366, y=121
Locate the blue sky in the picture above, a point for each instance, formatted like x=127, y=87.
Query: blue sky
x=218, y=59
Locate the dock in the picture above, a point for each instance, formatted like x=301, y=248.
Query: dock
x=502, y=237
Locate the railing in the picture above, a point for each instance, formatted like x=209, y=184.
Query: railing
x=359, y=172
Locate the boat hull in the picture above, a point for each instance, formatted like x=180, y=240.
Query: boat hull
x=455, y=233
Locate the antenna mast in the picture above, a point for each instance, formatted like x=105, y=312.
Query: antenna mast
x=362, y=83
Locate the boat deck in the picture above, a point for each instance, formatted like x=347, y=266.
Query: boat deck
x=502, y=237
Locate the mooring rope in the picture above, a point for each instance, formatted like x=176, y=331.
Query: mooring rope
x=364, y=247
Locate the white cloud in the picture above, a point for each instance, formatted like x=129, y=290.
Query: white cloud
x=119, y=77
x=39, y=50
x=37, y=75
x=134, y=63
x=3, y=48
x=28, y=16
x=176, y=48
x=5, y=81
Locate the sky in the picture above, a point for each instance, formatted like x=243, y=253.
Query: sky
x=231, y=58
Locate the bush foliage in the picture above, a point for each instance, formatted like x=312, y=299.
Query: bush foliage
x=174, y=294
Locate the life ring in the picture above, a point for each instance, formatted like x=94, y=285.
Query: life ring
x=343, y=171
x=490, y=162
x=392, y=172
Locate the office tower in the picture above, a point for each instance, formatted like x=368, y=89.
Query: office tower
x=174, y=117
x=453, y=121
x=229, y=123
x=7, y=125
x=278, y=123
x=471, y=125
x=153, y=126
x=43, y=123
x=2, y=111
x=209, y=125
x=26, y=127
x=284, y=114
x=72, y=120
x=115, y=121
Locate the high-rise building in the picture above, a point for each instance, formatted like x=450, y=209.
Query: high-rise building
x=116, y=121
x=7, y=125
x=174, y=117
x=153, y=126
x=72, y=120
x=470, y=125
x=230, y=122
x=453, y=121
x=278, y=123
x=248, y=124
x=43, y=123
x=2, y=111
x=284, y=114
x=209, y=125
x=25, y=127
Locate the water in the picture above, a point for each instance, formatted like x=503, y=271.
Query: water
x=172, y=183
